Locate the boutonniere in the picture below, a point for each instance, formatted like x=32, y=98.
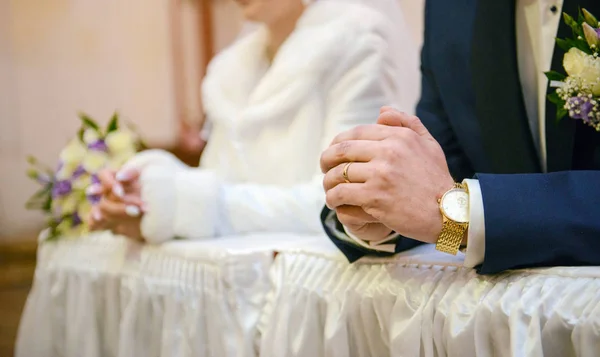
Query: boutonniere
x=578, y=92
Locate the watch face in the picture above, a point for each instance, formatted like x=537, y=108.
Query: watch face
x=455, y=205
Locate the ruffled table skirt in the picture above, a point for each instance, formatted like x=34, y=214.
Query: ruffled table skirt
x=424, y=303
x=105, y=296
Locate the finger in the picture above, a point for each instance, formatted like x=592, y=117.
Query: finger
x=96, y=220
x=371, y=132
x=129, y=200
x=354, y=216
x=127, y=175
x=358, y=172
x=94, y=190
x=350, y=194
x=110, y=185
x=107, y=180
x=117, y=211
x=348, y=151
x=400, y=119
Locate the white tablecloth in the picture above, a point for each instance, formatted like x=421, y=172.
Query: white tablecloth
x=424, y=303
x=106, y=296
x=103, y=296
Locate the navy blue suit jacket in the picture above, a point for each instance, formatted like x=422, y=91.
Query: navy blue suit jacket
x=531, y=219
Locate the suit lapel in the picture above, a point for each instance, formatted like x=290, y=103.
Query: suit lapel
x=499, y=104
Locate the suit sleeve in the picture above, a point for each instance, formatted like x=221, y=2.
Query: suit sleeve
x=537, y=220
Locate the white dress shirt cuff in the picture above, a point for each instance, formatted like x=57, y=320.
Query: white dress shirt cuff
x=476, y=234
x=343, y=235
x=381, y=246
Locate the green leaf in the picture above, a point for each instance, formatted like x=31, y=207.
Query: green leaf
x=574, y=25
x=47, y=206
x=80, y=134
x=554, y=98
x=141, y=145
x=569, y=43
x=40, y=199
x=113, y=125
x=564, y=45
x=555, y=76
x=52, y=237
x=582, y=45
x=88, y=122
x=561, y=113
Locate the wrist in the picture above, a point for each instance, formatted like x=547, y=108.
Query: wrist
x=454, y=209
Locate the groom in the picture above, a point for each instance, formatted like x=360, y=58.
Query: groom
x=531, y=194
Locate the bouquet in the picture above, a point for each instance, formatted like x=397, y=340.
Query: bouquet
x=578, y=93
x=62, y=196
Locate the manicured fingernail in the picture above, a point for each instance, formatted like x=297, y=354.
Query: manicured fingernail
x=118, y=191
x=133, y=211
x=124, y=175
x=96, y=215
x=93, y=190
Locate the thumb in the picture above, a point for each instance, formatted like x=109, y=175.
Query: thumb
x=400, y=119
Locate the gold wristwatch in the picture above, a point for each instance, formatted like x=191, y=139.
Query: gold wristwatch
x=454, y=206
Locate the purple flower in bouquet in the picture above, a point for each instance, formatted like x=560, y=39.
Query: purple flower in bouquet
x=98, y=145
x=94, y=199
x=61, y=188
x=95, y=179
x=79, y=171
x=76, y=220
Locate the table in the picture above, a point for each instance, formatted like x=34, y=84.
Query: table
x=425, y=303
x=104, y=295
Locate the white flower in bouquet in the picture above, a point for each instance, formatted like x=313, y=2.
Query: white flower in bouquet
x=94, y=161
x=586, y=67
x=70, y=158
x=82, y=182
x=121, y=145
x=90, y=136
x=120, y=142
x=85, y=208
x=68, y=204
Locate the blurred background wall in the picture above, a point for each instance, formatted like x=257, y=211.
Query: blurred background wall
x=144, y=58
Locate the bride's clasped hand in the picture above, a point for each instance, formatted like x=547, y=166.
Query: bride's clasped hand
x=121, y=208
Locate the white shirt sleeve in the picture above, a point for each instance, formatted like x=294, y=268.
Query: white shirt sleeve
x=350, y=238
x=381, y=246
x=476, y=234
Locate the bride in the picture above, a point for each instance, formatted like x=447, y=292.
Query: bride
x=274, y=100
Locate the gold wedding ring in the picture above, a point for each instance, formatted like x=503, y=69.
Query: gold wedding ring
x=345, y=173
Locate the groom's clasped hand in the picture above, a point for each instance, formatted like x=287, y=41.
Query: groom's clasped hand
x=387, y=177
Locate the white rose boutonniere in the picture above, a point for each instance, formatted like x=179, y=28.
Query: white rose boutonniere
x=578, y=91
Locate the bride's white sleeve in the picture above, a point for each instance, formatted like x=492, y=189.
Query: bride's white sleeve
x=193, y=203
